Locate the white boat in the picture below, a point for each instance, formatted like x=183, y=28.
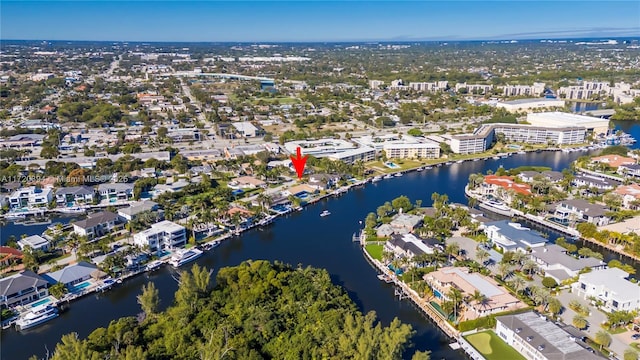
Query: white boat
x=389, y=176
x=15, y=216
x=398, y=174
x=325, y=213
x=153, y=266
x=522, y=152
x=106, y=285
x=459, y=161
x=385, y=278
x=429, y=167
x=38, y=315
x=476, y=159
x=448, y=163
x=496, y=207
x=419, y=169
x=496, y=158
x=184, y=256
x=376, y=179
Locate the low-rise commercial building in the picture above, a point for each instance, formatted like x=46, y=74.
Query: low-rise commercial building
x=530, y=104
x=536, y=338
x=557, y=119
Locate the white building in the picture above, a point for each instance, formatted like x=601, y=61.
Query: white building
x=536, y=338
x=557, y=264
x=560, y=119
x=30, y=197
x=429, y=86
x=375, y=84
x=611, y=287
x=529, y=104
x=364, y=154
x=35, y=242
x=412, y=151
x=96, y=225
x=474, y=88
x=245, y=128
x=161, y=236
x=319, y=148
x=536, y=89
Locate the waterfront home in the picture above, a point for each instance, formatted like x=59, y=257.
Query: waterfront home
x=246, y=182
x=409, y=245
x=135, y=209
x=300, y=190
x=96, y=225
x=495, y=298
x=559, y=265
x=384, y=230
x=613, y=160
x=75, y=195
x=579, y=210
x=169, y=187
x=510, y=236
x=553, y=176
x=630, y=195
x=502, y=187
x=115, y=191
x=162, y=236
x=9, y=257
x=323, y=181
x=591, y=181
x=611, y=287
x=35, y=242
x=631, y=170
x=74, y=274
x=405, y=223
x=537, y=338
x=31, y=197
x=22, y=288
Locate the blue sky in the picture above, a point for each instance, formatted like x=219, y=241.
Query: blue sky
x=315, y=20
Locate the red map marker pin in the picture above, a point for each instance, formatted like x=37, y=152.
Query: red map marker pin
x=299, y=162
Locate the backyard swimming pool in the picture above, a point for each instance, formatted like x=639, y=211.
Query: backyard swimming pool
x=281, y=208
x=391, y=165
x=80, y=287
x=41, y=302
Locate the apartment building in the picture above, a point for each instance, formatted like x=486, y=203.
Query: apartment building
x=429, y=86
x=412, y=151
x=364, y=154
x=161, y=236
x=536, y=89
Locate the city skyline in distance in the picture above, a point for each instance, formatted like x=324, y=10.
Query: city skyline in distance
x=313, y=21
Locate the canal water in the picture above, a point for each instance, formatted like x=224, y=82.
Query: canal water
x=301, y=238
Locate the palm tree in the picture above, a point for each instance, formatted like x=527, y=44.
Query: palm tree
x=602, y=338
x=529, y=266
x=482, y=255
x=504, y=270
x=455, y=296
x=452, y=248
x=518, y=284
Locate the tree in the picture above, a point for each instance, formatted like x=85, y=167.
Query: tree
x=579, y=322
x=402, y=202
x=630, y=354
x=371, y=220
x=554, y=306
x=58, y=290
x=414, y=132
x=549, y=282
x=602, y=338
x=482, y=255
x=149, y=299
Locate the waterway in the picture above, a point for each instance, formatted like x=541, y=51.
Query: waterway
x=302, y=238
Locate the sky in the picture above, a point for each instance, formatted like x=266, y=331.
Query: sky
x=312, y=21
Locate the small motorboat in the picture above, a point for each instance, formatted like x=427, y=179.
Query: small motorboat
x=325, y=213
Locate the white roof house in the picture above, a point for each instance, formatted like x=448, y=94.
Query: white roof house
x=245, y=128
x=611, y=286
x=35, y=242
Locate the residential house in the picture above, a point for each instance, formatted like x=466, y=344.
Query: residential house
x=9, y=256
x=537, y=338
x=510, y=236
x=138, y=208
x=552, y=176
x=405, y=223
x=613, y=160
x=503, y=187
x=592, y=181
x=161, y=236
x=496, y=298
x=385, y=230
x=30, y=197
x=559, y=265
x=75, y=195
x=579, y=210
x=169, y=187
x=35, y=242
x=409, y=245
x=323, y=181
x=115, y=191
x=300, y=190
x=247, y=182
x=96, y=225
x=611, y=287
x=631, y=170
x=22, y=288
x=630, y=195
x=74, y=274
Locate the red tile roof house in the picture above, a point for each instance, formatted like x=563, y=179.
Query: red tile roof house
x=502, y=186
x=613, y=160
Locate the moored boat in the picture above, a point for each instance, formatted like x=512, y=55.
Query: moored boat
x=184, y=256
x=153, y=266
x=36, y=316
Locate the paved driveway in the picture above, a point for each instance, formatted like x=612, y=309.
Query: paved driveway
x=595, y=318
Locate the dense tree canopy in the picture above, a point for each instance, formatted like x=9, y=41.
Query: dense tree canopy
x=257, y=310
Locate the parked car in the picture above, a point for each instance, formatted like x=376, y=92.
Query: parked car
x=635, y=336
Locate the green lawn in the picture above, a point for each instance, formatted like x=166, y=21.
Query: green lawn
x=492, y=347
x=375, y=251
